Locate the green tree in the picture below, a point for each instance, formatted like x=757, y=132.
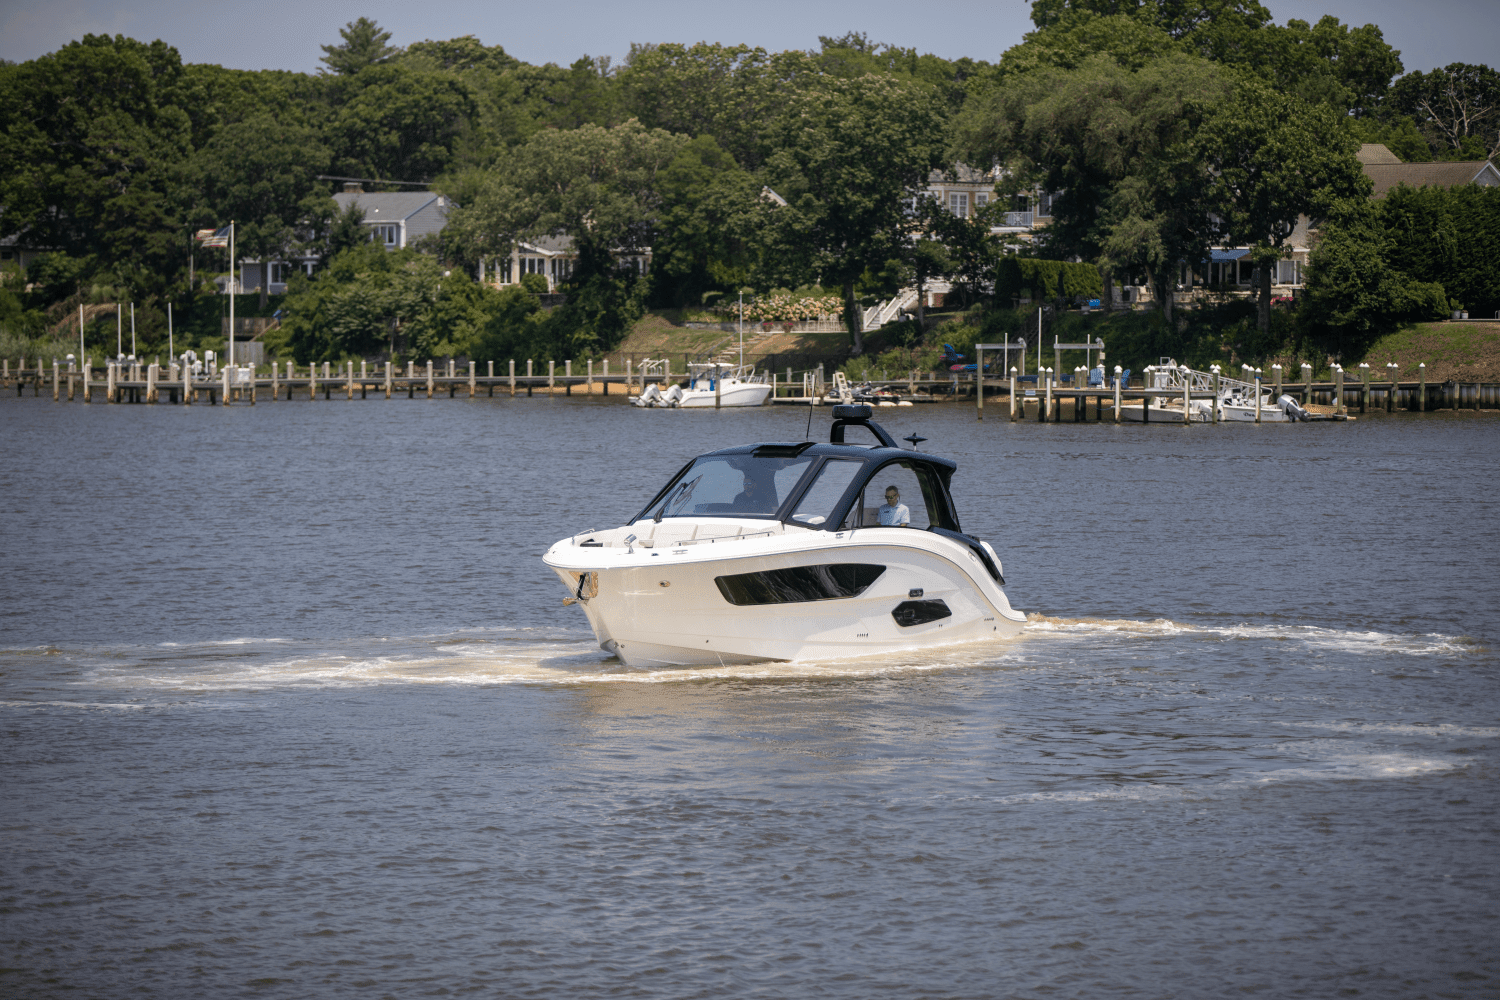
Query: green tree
x=400, y=124
x=1354, y=294
x=96, y=143
x=1111, y=142
x=1446, y=236
x=701, y=244
x=259, y=173
x=1272, y=160
x=364, y=45
x=1457, y=108
x=599, y=186
x=848, y=158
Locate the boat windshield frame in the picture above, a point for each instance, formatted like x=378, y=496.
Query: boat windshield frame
x=817, y=458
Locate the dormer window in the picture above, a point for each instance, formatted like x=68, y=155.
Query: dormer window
x=385, y=234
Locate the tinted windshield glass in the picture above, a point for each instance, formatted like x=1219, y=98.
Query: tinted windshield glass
x=732, y=485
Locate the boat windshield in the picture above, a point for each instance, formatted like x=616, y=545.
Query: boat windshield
x=731, y=485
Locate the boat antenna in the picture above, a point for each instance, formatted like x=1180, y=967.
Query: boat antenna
x=915, y=440
x=810, y=400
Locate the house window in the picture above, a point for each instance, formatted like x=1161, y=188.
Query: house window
x=1044, y=206
x=981, y=200
x=279, y=272
x=384, y=234
x=958, y=203
x=1020, y=203
x=505, y=272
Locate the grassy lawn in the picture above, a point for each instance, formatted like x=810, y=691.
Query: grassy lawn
x=1468, y=352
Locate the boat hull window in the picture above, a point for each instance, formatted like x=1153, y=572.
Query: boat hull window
x=799, y=584
x=909, y=613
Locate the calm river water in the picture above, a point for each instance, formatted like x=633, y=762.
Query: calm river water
x=289, y=707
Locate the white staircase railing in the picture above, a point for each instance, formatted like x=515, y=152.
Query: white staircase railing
x=879, y=315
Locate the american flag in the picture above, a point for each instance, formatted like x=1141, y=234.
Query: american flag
x=214, y=237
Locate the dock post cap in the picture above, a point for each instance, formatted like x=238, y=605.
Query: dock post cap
x=1421, y=364
x=1118, y=369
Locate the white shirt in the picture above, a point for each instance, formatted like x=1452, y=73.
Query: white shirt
x=892, y=516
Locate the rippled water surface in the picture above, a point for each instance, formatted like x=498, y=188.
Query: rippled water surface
x=289, y=707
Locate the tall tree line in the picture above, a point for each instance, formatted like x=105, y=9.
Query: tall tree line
x=1163, y=125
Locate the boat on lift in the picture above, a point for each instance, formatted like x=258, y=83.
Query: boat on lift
x=715, y=383
x=790, y=551
x=1237, y=399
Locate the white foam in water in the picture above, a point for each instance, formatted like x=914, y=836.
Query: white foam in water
x=500, y=655
x=1311, y=636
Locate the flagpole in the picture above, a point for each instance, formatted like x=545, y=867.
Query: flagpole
x=80, y=332
x=231, y=292
x=132, y=329
x=170, y=355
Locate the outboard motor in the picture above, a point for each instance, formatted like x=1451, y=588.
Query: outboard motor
x=650, y=397
x=1290, y=407
x=673, y=397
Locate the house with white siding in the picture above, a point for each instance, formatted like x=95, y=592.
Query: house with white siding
x=553, y=257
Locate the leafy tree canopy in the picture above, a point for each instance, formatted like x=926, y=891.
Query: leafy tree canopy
x=847, y=159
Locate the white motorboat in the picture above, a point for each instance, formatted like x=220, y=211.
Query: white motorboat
x=712, y=384
x=1236, y=399
x=778, y=552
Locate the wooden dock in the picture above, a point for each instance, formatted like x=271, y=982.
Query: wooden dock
x=154, y=384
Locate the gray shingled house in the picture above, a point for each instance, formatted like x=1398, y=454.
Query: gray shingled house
x=395, y=219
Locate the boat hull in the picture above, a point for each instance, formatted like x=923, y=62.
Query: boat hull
x=741, y=394
x=663, y=608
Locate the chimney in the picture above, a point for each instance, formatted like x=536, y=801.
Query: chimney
x=353, y=187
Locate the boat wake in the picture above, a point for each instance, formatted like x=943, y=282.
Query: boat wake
x=499, y=656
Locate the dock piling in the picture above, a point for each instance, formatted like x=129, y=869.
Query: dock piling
x=1422, y=392
x=1012, y=393
x=429, y=378
x=1119, y=373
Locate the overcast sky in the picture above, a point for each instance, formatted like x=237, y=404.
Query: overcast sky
x=273, y=36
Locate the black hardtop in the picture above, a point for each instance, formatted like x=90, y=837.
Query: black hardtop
x=857, y=415
x=869, y=454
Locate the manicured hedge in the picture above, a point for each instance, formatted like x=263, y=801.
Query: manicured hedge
x=1046, y=279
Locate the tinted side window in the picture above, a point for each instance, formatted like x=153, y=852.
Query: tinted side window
x=897, y=486
x=799, y=583
x=823, y=495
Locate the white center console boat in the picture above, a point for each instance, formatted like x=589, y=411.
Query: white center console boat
x=712, y=384
x=790, y=552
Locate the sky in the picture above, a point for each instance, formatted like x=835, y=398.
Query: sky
x=270, y=36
